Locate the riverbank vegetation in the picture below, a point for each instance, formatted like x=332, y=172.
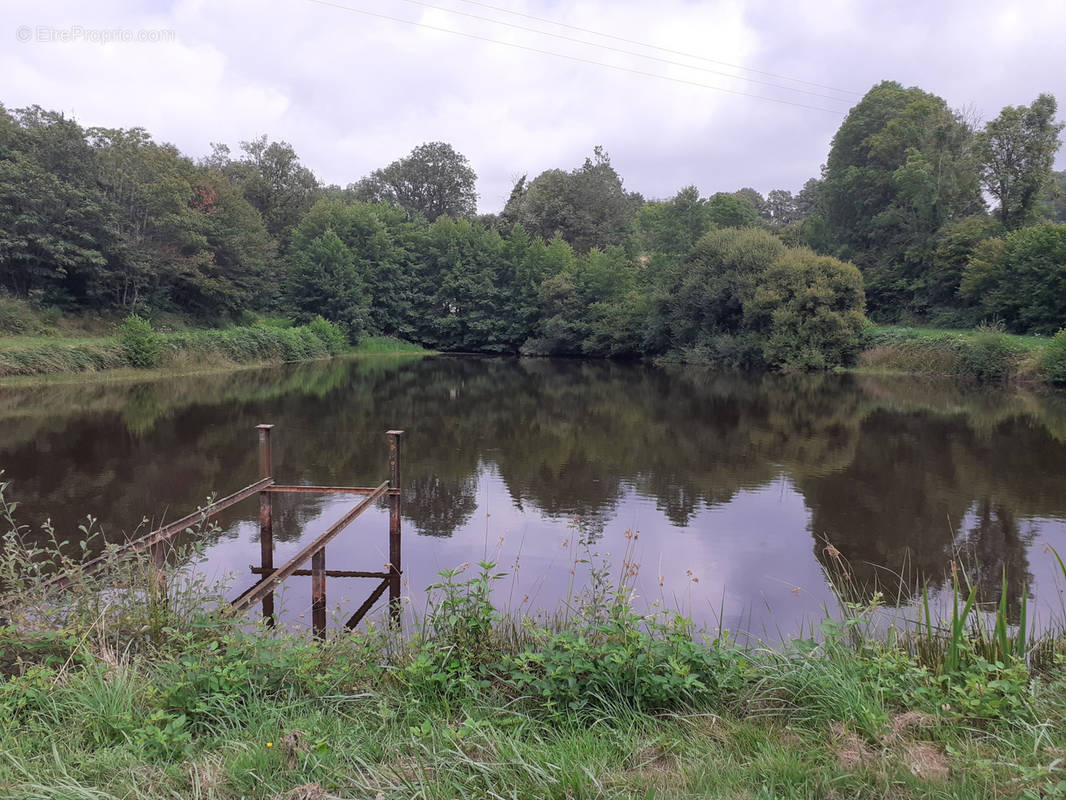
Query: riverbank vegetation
x=134, y=687
x=100, y=220
x=138, y=346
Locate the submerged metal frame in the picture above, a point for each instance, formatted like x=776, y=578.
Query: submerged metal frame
x=315, y=551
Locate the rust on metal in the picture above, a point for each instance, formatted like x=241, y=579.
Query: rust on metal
x=368, y=604
x=267, y=584
x=275, y=489
x=157, y=542
x=318, y=593
x=330, y=573
x=394, y=525
x=158, y=535
x=266, y=518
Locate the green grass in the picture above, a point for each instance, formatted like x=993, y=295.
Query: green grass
x=386, y=345
x=156, y=696
x=986, y=353
x=185, y=351
x=905, y=333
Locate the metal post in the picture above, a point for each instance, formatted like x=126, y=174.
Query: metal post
x=158, y=569
x=318, y=593
x=266, y=519
x=395, y=569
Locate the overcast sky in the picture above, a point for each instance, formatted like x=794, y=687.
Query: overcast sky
x=353, y=91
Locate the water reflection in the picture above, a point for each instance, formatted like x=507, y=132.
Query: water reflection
x=737, y=480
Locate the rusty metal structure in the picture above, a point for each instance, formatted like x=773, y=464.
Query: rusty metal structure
x=157, y=541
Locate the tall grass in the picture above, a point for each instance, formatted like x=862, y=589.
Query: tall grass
x=986, y=353
x=140, y=347
x=118, y=689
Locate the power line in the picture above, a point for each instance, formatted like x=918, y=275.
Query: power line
x=573, y=58
x=657, y=47
x=623, y=51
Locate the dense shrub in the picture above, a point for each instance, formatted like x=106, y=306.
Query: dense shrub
x=989, y=354
x=1053, y=361
x=331, y=334
x=706, y=296
x=809, y=309
x=1022, y=279
x=20, y=318
x=139, y=343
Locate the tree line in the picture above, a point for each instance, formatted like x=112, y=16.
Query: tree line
x=919, y=214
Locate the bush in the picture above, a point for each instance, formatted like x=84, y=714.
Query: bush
x=810, y=310
x=331, y=334
x=627, y=660
x=20, y=318
x=1022, y=278
x=1053, y=361
x=990, y=354
x=707, y=296
x=139, y=344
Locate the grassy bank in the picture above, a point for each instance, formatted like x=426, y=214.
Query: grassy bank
x=984, y=353
x=120, y=689
x=183, y=351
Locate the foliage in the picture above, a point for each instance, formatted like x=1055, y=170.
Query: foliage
x=587, y=206
x=706, y=295
x=330, y=334
x=139, y=344
x=810, y=310
x=1021, y=278
x=434, y=181
x=1016, y=151
x=323, y=280
x=626, y=660
x=1053, y=360
x=986, y=353
x=900, y=166
x=732, y=211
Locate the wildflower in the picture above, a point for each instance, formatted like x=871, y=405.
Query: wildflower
x=832, y=552
x=270, y=744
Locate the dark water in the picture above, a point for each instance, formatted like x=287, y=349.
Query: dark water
x=735, y=484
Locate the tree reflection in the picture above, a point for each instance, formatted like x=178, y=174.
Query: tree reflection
x=890, y=470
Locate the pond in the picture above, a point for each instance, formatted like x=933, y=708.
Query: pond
x=725, y=494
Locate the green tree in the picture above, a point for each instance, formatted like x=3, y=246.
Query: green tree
x=433, y=180
x=1016, y=152
x=937, y=288
x=1053, y=198
x=705, y=297
x=458, y=267
x=672, y=227
x=587, y=206
x=55, y=228
x=1022, y=278
x=273, y=180
x=323, y=281
x=809, y=309
x=900, y=166
x=732, y=210
x=375, y=236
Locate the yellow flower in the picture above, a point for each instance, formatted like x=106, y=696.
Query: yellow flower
x=270, y=744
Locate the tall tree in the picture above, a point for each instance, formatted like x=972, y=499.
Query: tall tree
x=587, y=206
x=1016, y=152
x=273, y=180
x=900, y=166
x=433, y=180
x=1053, y=198
x=323, y=280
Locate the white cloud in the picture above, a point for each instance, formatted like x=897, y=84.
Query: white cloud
x=353, y=92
